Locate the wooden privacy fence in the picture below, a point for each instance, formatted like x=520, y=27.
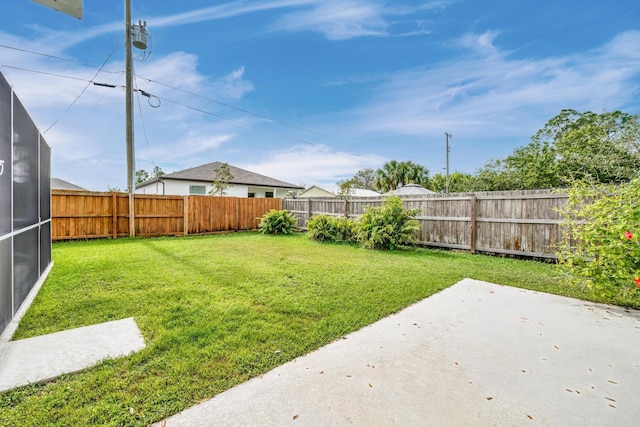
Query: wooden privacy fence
x=524, y=223
x=93, y=215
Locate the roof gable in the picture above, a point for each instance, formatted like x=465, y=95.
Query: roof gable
x=61, y=184
x=206, y=173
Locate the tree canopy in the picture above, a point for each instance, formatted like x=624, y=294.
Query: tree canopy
x=595, y=148
x=394, y=174
x=221, y=180
x=364, y=178
x=142, y=175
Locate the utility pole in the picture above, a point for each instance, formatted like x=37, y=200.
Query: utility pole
x=447, y=135
x=129, y=117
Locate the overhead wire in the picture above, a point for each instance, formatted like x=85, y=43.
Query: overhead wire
x=224, y=104
x=46, y=55
x=80, y=79
x=144, y=128
x=83, y=89
x=303, y=141
x=243, y=110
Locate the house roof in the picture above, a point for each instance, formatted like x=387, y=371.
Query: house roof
x=61, y=184
x=410, y=190
x=362, y=192
x=206, y=173
x=315, y=188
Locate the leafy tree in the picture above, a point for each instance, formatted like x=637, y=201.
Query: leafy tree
x=394, y=174
x=157, y=172
x=596, y=148
x=141, y=176
x=364, y=178
x=221, y=180
x=458, y=182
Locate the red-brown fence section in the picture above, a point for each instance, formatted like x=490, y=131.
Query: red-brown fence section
x=93, y=215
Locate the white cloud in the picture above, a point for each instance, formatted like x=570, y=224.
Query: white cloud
x=337, y=20
x=346, y=19
x=489, y=93
x=88, y=141
x=233, y=85
x=317, y=164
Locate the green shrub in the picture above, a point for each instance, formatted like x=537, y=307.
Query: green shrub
x=277, y=222
x=388, y=227
x=322, y=228
x=326, y=228
x=346, y=230
x=601, y=248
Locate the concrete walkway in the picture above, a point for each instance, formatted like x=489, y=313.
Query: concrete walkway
x=45, y=357
x=474, y=354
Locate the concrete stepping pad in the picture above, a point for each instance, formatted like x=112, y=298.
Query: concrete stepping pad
x=43, y=358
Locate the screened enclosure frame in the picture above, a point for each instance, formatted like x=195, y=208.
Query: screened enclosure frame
x=25, y=206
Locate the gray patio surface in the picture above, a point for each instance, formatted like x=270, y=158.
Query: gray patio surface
x=475, y=354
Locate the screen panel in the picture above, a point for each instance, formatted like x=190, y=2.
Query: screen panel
x=45, y=180
x=25, y=168
x=45, y=246
x=5, y=156
x=26, y=270
x=6, y=310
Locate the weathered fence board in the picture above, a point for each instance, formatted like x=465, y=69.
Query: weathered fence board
x=92, y=215
x=524, y=223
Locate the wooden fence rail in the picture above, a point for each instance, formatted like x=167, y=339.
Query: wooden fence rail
x=93, y=215
x=524, y=223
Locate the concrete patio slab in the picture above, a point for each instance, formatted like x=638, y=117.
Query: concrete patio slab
x=45, y=357
x=474, y=354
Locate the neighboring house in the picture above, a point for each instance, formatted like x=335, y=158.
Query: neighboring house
x=199, y=181
x=61, y=184
x=315, y=191
x=410, y=190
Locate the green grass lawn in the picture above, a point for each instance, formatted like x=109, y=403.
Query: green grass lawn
x=218, y=310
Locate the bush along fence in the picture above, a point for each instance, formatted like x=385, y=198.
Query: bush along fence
x=522, y=223
x=94, y=215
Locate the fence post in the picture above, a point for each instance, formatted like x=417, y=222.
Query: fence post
x=346, y=208
x=473, y=229
x=309, y=211
x=185, y=213
x=114, y=215
x=132, y=215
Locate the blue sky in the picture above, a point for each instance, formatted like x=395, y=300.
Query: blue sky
x=311, y=91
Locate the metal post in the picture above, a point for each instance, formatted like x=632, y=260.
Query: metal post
x=129, y=117
x=447, y=135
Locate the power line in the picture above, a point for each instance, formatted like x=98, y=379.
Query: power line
x=236, y=108
x=144, y=128
x=198, y=109
x=60, y=58
x=46, y=73
x=83, y=89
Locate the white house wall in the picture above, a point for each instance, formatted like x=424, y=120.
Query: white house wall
x=181, y=188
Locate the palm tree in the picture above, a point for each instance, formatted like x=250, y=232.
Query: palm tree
x=394, y=174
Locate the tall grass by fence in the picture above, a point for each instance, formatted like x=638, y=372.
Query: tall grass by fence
x=93, y=215
x=524, y=223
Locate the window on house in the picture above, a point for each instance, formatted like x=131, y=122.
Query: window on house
x=251, y=195
x=268, y=194
x=197, y=190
